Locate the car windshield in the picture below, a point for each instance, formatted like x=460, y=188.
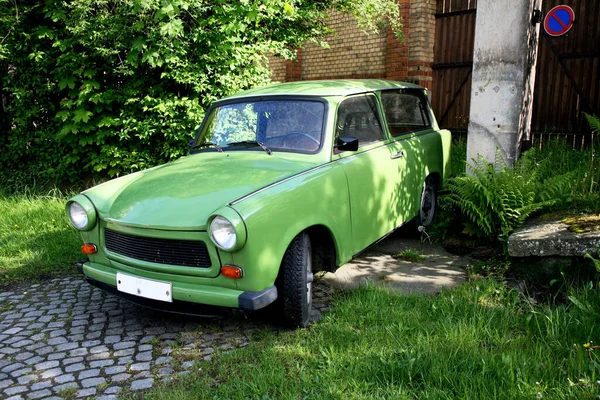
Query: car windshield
x=280, y=125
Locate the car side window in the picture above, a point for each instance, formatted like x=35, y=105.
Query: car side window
x=358, y=117
x=405, y=111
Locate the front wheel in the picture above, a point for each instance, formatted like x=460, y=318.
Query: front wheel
x=428, y=204
x=295, y=282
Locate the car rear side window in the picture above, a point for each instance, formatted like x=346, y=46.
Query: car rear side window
x=357, y=116
x=405, y=111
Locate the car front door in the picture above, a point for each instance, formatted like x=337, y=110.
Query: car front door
x=371, y=171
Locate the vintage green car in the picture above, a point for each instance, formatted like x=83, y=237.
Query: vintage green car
x=281, y=182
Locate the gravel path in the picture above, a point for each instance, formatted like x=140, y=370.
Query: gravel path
x=65, y=338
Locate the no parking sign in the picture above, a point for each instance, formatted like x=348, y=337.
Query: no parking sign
x=559, y=20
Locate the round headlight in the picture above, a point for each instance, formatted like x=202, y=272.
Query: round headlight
x=223, y=233
x=77, y=215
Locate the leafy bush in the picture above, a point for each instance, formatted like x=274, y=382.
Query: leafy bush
x=107, y=87
x=495, y=199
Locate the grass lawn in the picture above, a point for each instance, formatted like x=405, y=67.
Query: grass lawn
x=36, y=240
x=479, y=341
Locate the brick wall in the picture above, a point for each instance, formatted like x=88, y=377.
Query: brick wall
x=352, y=53
x=355, y=54
x=277, y=66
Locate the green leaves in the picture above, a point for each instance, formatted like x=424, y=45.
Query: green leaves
x=495, y=199
x=116, y=86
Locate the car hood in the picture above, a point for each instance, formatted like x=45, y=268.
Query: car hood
x=181, y=195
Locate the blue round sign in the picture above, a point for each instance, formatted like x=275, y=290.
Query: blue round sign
x=559, y=20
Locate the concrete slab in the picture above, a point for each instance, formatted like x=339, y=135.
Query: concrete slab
x=551, y=237
x=439, y=270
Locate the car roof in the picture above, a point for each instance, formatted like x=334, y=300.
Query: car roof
x=322, y=88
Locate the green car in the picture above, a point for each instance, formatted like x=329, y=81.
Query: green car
x=281, y=182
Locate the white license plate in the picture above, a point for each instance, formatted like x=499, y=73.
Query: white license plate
x=147, y=288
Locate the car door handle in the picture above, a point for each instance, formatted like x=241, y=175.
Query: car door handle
x=398, y=155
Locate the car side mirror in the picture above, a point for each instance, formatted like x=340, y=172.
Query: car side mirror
x=347, y=143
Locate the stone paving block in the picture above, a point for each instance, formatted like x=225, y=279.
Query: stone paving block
x=40, y=385
x=123, y=345
x=64, y=378
x=112, y=339
x=23, y=356
x=15, y=390
x=145, y=356
x=51, y=373
x=93, y=335
x=42, y=351
x=75, y=367
x=124, y=352
x=39, y=394
x=117, y=369
x=163, y=360
x=9, y=350
x=20, y=372
x=93, y=382
x=141, y=384
x=89, y=373
x=143, y=366
x=47, y=365
x=166, y=371
x=25, y=379
x=72, y=360
x=145, y=347
x=67, y=346
x=6, y=382
x=33, y=360
x=91, y=343
x=86, y=392
x=98, y=349
x=58, y=332
x=101, y=363
x=78, y=352
x=65, y=386
x=112, y=390
x=56, y=356
x=12, y=331
x=120, y=377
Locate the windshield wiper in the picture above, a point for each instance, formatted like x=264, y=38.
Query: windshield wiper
x=252, y=142
x=206, y=144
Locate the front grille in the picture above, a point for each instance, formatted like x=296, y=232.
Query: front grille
x=189, y=253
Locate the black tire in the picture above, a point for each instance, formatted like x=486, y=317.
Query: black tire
x=295, y=282
x=428, y=204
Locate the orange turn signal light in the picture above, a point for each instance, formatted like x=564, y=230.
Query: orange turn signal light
x=231, y=271
x=89, y=248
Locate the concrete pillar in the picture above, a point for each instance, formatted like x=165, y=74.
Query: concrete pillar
x=504, y=59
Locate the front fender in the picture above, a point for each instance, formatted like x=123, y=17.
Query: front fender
x=273, y=218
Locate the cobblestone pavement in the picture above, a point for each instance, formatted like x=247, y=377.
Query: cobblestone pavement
x=65, y=338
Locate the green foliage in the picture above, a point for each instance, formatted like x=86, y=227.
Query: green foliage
x=479, y=341
x=102, y=88
x=495, y=199
x=36, y=240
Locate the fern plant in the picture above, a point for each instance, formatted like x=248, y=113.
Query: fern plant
x=495, y=199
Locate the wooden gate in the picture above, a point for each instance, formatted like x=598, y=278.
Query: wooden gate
x=568, y=72
x=453, y=62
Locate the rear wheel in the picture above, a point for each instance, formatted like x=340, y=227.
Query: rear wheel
x=295, y=282
x=428, y=204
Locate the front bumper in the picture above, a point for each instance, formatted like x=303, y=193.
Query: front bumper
x=187, y=297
